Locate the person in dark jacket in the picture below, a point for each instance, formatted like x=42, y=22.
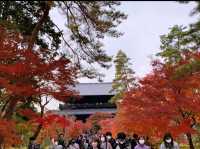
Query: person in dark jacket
x=33, y=144
x=110, y=139
x=61, y=140
x=121, y=142
x=134, y=141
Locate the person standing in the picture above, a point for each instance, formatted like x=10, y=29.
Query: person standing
x=134, y=141
x=32, y=144
x=61, y=140
x=85, y=143
x=141, y=143
x=121, y=142
x=168, y=142
x=104, y=144
x=110, y=139
x=54, y=144
x=95, y=144
x=73, y=144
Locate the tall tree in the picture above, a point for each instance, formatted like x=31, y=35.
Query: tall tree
x=25, y=73
x=124, y=76
x=180, y=40
x=26, y=76
x=163, y=102
x=87, y=23
x=172, y=44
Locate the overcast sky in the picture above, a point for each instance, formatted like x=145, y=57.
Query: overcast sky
x=141, y=40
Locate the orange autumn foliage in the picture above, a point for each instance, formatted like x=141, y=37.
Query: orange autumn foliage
x=107, y=125
x=97, y=117
x=55, y=124
x=76, y=128
x=162, y=102
x=47, y=119
x=8, y=134
x=26, y=75
x=52, y=125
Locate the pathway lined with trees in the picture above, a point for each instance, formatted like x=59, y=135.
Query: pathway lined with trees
x=35, y=69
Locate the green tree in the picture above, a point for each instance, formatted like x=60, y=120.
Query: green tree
x=124, y=76
x=178, y=45
x=87, y=23
x=180, y=42
x=172, y=44
x=181, y=39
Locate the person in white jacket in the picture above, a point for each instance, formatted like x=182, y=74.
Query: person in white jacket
x=168, y=142
x=54, y=144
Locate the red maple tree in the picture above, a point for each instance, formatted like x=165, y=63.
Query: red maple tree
x=166, y=100
x=27, y=75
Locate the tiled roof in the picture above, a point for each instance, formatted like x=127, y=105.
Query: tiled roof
x=94, y=88
x=84, y=111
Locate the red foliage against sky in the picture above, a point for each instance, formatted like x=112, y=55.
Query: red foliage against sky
x=26, y=73
x=162, y=102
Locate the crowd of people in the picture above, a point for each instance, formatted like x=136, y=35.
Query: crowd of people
x=106, y=141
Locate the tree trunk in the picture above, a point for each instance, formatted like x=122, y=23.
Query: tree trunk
x=39, y=128
x=189, y=138
x=1, y=141
x=38, y=26
x=12, y=105
x=10, y=108
x=37, y=132
x=4, y=108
